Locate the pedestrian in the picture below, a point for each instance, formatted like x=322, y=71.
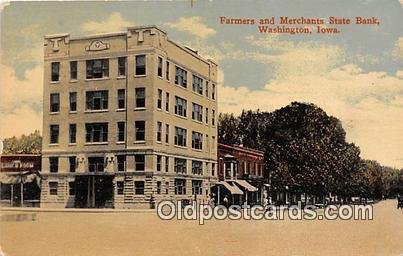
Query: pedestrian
x=225, y=200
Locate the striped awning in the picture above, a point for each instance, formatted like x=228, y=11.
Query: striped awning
x=232, y=188
x=246, y=185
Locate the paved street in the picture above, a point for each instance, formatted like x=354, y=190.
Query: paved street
x=142, y=233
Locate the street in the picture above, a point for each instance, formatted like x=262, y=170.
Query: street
x=143, y=233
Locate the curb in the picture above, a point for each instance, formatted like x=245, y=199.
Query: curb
x=75, y=210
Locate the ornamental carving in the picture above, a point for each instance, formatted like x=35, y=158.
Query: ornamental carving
x=97, y=45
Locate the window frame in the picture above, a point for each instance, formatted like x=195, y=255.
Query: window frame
x=54, y=106
x=180, y=106
x=140, y=69
x=121, y=99
x=97, y=69
x=140, y=98
x=73, y=70
x=180, y=136
x=55, y=71
x=72, y=133
x=140, y=135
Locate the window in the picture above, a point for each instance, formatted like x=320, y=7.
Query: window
x=97, y=68
x=121, y=131
x=73, y=70
x=167, y=102
x=197, y=112
x=96, y=100
x=53, y=164
x=72, y=163
x=197, y=167
x=72, y=188
x=54, y=133
x=139, y=187
x=121, y=163
x=180, y=136
x=180, y=106
x=180, y=165
x=53, y=188
x=212, y=169
x=167, y=71
x=166, y=164
x=54, y=102
x=159, y=71
x=72, y=133
x=159, y=100
x=140, y=97
x=73, y=101
x=213, y=117
x=158, y=187
x=180, y=187
x=120, y=187
x=96, y=132
x=121, y=98
x=166, y=187
x=180, y=77
x=206, y=115
x=140, y=65
x=55, y=71
x=159, y=131
x=213, y=92
x=140, y=128
x=96, y=164
x=122, y=66
x=196, y=187
x=207, y=89
x=197, y=140
x=159, y=163
x=139, y=161
x=167, y=133
x=197, y=84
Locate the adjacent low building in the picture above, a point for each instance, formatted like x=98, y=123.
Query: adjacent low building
x=241, y=175
x=20, y=179
x=129, y=119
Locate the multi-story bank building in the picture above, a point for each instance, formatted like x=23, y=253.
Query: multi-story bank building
x=129, y=119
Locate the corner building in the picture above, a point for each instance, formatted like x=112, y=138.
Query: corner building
x=129, y=119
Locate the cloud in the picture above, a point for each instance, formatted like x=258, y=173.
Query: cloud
x=292, y=58
x=398, y=50
x=192, y=25
x=21, y=103
x=370, y=105
x=114, y=22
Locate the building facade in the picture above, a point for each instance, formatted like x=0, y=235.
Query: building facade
x=20, y=179
x=129, y=120
x=241, y=175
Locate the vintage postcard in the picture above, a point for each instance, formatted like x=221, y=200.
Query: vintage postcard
x=201, y=127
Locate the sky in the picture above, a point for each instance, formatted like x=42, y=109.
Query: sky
x=355, y=75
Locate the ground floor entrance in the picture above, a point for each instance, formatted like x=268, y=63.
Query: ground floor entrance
x=94, y=191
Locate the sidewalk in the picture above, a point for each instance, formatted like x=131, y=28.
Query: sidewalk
x=76, y=210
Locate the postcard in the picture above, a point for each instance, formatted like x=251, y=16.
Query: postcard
x=201, y=127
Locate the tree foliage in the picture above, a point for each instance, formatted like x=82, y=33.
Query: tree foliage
x=25, y=144
x=306, y=150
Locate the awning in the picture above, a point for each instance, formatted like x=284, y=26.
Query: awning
x=20, y=177
x=246, y=185
x=232, y=188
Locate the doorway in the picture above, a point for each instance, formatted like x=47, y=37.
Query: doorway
x=94, y=191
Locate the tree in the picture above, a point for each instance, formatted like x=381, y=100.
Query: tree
x=306, y=150
x=228, y=129
x=26, y=144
